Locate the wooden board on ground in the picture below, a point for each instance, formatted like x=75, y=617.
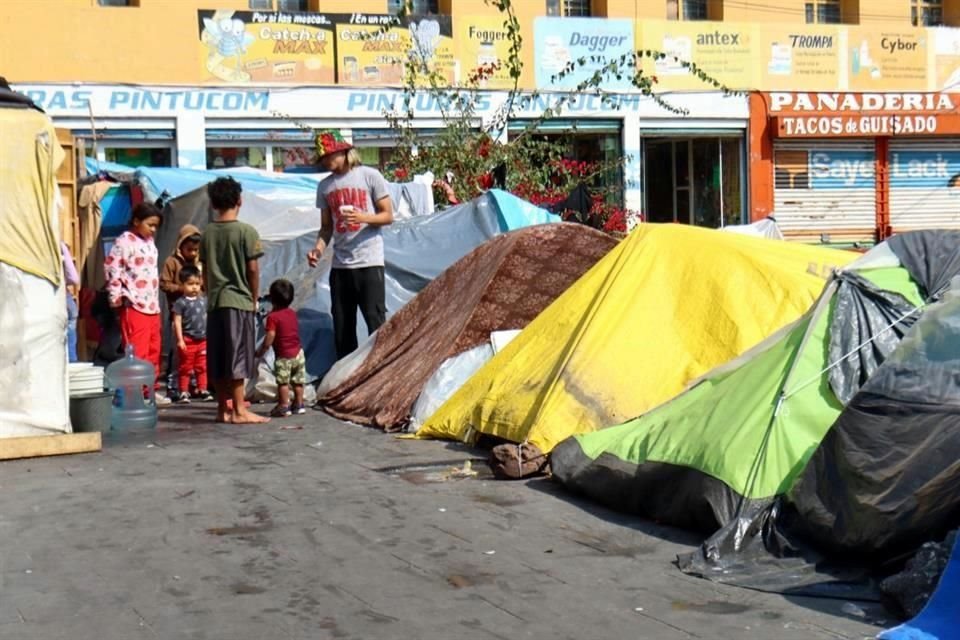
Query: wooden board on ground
x=58, y=445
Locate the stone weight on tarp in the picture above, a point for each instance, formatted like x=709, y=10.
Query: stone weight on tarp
x=907, y=592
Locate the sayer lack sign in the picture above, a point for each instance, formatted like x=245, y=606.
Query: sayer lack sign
x=832, y=115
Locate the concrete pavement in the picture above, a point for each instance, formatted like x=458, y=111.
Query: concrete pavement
x=199, y=531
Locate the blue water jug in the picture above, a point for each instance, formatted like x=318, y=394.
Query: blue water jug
x=131, y=381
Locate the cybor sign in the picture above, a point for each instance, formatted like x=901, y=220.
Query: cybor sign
x=830, y=115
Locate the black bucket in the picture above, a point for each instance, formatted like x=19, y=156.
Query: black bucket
x=91, y=412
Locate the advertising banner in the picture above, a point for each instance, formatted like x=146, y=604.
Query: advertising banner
x=931, y=169
x=595, y=42
x=798, y=56
x=724, y=50
x=883, y=60
x=483, y=40
x=946, y=58
x=842, y=169
x=369, y=54
x=820, y=115
x=241, y=47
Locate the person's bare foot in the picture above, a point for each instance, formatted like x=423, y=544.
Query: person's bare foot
x=225, y=417
x=248, y=417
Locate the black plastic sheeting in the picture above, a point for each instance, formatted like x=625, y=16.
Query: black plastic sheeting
x=867, y=325
x=696, y=500
x=931, y=257
x=886, y=477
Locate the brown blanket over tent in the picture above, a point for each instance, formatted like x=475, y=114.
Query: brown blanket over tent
x=501, y=285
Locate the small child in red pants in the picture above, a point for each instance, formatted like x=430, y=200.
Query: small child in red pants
x=190, y=329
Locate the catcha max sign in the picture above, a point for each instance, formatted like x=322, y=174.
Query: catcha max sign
x=858, y=115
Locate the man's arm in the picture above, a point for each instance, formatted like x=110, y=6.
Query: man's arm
x=383, y=215
x=253, y=278
x=323, y=238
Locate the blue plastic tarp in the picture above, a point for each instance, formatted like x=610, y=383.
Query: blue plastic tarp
x=940, y=619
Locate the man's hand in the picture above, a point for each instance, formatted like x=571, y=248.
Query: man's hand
x=313, y=256
x=182, y=345
x=353, y=217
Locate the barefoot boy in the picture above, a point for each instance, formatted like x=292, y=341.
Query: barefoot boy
x=229, y=252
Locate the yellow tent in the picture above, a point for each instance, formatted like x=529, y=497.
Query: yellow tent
x=664, y=307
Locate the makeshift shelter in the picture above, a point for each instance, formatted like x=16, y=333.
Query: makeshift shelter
x=666, y=305
x=33, y=311
x=502, y=285
x=416, y=249
x=832, y=438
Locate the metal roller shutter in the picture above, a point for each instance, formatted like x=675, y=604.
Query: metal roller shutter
x=924, y=184
x=825, y=191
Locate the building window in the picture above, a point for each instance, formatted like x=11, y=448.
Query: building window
x=696, y=181
x=823, y=12
x=926, y=13
x=292, y=5
x=118, y=3
x=687, y=10
x=295, y=159
x=591, y=141
x=261, y=5
x=417, y=7
x=139, y=156
x=229, y=157
x=569, y=8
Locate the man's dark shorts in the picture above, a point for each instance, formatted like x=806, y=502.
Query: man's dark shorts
x=231, y=345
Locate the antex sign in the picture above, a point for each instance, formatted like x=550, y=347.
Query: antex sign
x=830, y=115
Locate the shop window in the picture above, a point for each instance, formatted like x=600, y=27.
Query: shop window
x=602, y=145
x=140, y=156
x=227, y=157
x=295, y=159
x=377, y=157
x=687, y=10
x=417, y=7
x=926, y=13
x=696, y=181
x=260, y=5
x=823, y=12
x=569, y=8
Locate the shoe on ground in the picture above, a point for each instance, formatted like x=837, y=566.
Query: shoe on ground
x=299, y=409
x=205, y=396
x=281, y=411
x=161, y=399
x=182, y=398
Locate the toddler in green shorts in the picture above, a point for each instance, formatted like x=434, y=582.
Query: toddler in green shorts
x=283, y=335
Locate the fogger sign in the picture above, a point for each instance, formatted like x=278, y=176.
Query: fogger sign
x=857, y=115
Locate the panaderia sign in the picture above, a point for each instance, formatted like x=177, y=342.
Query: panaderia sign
x=862, y=115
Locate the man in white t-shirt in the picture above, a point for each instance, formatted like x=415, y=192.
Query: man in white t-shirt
x=355, y=204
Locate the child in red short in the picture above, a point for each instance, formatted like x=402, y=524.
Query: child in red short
x=283, y=335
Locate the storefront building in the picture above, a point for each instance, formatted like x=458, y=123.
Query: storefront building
x=263, y=127
x=855, y=167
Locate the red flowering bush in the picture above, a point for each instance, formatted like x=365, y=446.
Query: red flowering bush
x=470, y=154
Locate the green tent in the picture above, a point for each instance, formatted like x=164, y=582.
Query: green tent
x=733, y=449
x=743, y=431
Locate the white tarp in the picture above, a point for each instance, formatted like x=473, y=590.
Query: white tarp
x=766, y=228
x=33, y=356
